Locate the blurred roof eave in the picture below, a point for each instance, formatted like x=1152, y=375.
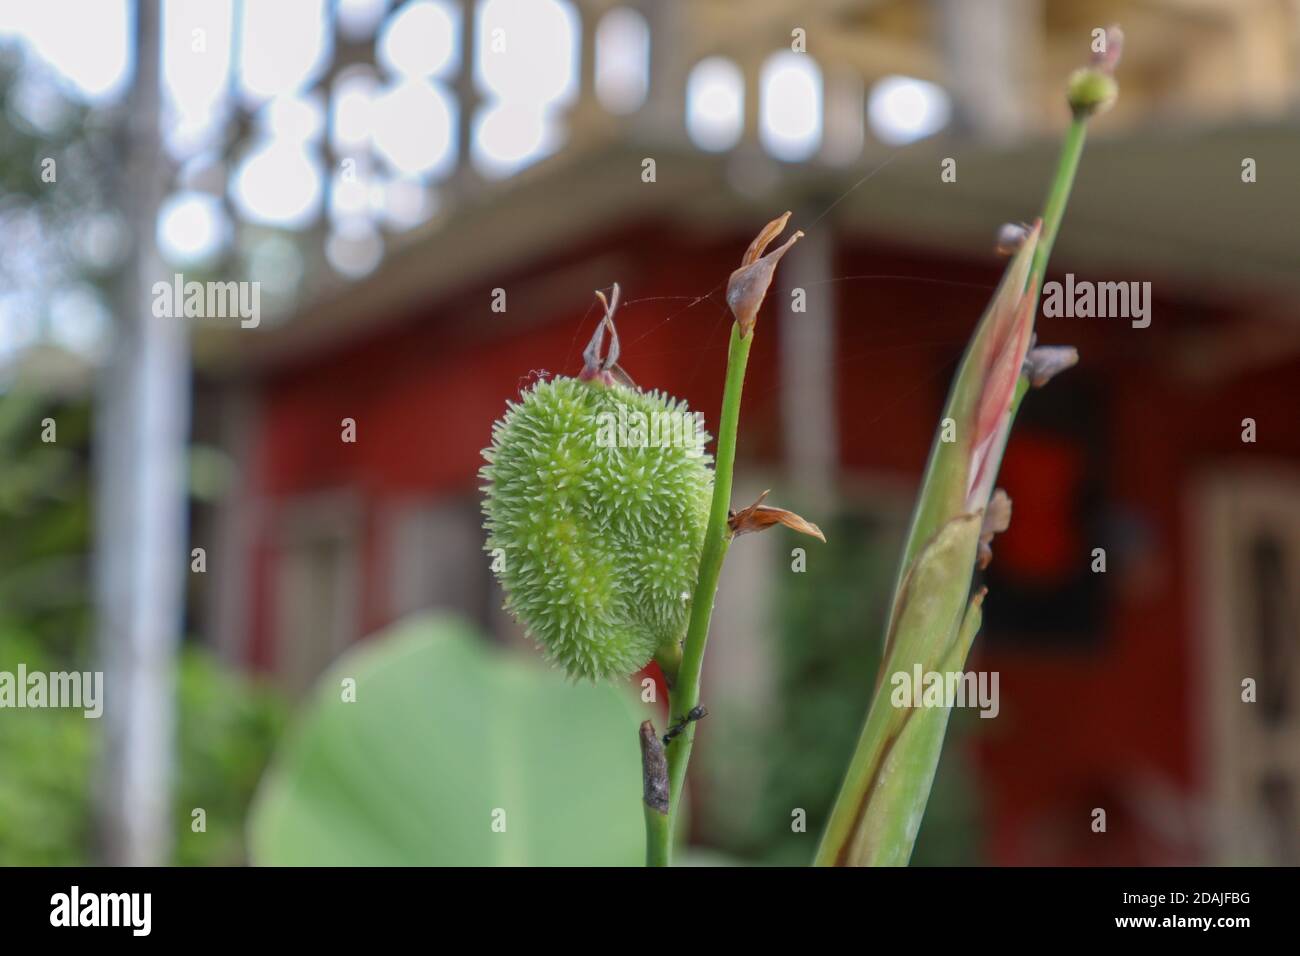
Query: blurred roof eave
x=1130, y=219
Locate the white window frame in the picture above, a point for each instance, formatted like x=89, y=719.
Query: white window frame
x=1235, y=750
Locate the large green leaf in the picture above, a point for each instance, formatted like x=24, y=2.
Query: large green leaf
x=445, y=733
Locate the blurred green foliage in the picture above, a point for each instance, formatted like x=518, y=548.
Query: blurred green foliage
x=227, y=729
x=44, y=522
x=46, y=761
x=228, y=724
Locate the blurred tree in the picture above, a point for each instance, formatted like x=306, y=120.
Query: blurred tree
x=59, y=164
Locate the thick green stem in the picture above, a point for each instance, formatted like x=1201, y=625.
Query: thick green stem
x=685, y=695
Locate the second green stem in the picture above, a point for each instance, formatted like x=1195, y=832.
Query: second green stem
x=685, y=693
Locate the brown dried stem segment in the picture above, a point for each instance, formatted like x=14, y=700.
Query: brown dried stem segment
x=654, y=782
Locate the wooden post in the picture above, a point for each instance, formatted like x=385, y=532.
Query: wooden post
x=809, y=423
x=989, y=51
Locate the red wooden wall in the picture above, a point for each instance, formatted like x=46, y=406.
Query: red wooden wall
x=1075, y=728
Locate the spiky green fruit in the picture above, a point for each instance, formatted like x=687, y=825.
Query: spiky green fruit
x=597, y=496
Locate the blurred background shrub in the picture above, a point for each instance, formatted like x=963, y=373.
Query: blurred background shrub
x=228, y=722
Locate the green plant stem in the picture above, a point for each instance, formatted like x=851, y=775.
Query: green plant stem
x=855, y=793
x=1057, y=198
x=658, y=837
x=1053, y=213
x=685, y=694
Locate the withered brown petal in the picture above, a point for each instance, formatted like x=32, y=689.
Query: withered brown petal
x=747, y=286
x=764, y=239
x=759, y=517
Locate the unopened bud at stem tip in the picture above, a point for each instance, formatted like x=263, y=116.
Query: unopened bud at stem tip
x=1093, y=89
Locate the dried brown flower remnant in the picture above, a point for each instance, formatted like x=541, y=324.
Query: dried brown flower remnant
x=759, y=517
x=747, y=286
x=600, y=365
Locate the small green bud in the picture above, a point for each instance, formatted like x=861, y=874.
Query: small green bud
x=1092, y=90
x=598, y=495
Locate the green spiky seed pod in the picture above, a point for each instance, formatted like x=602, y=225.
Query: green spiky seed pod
x=597, y=495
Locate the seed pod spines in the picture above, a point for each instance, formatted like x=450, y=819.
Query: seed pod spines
x=600, y=526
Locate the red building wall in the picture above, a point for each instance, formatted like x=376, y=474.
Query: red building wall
x=1076, y=728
